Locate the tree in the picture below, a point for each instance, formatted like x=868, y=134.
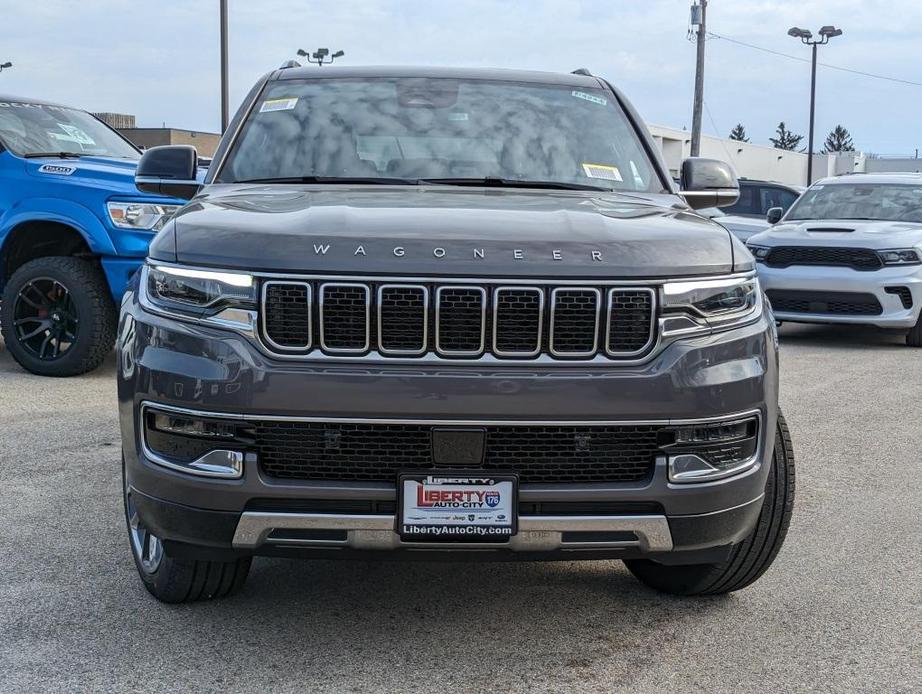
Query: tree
x=786, y=139
x=739, y=133
x=838, y=140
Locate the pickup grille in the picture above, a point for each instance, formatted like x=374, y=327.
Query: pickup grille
x=457, y=321
x=378, y=452
x=856, y=258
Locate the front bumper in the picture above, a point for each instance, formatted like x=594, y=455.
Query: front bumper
x=843, y=279
x=203, y=369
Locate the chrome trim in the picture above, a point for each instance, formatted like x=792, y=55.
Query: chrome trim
x=483, y=321
x=598, y=311
x=376, y=532
x=220, y=463
x=345, y=350
x=666, y=421
x=404, y=352
x=651, y=335
x=264, y=331
x=503, y=353
x=718, y=474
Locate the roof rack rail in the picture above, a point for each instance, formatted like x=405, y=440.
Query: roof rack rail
x=582, y=71
x=289, y=63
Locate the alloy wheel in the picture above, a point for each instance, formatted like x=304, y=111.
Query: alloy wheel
x=45, y=318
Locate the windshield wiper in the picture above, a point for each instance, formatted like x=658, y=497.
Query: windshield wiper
x=345, y=180
x=498, y=182
x=59, y=155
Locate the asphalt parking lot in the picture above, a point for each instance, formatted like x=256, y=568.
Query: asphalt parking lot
x=841, y=609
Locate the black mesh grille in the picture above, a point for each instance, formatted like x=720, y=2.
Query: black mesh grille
x=629, y=321
x=344, y=316
x=288, y=315
x=857, y=258
x=461, y=316
x=840, y=303
x=575, y=324
x=377, y=452
x=403, y=318
x=517, y=316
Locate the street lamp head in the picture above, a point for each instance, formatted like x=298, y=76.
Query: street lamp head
x=6, y=65
x=796, y=32
x=830, y=31
x=340, y=54
x=322, y=53
x=302, y=53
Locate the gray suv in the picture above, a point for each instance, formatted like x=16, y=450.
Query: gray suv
x=446, y=313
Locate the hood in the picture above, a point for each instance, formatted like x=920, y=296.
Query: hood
x=874, y=234
x=425, y=230
x=116, y=175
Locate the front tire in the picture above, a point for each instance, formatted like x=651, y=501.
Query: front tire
x=57, y=316
x=749, y=559
x=914, y=336
x=174, y=580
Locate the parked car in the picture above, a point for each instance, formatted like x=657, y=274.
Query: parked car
x=848, y=251
x=447, y=313
x=73, y=229
x=746, y=216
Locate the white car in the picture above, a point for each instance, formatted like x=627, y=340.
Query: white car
x=848, y=251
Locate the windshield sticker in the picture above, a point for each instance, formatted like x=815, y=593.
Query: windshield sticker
x=605, y=171
x=457, y=116
x=57, y=169
x=73, y=134
x=601, y=101
x=278, y=105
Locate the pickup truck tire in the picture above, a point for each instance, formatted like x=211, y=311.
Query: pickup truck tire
x=175, y=580
x=749, y=559
x=71, y=291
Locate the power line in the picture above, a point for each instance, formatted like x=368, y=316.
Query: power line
x=806, y=60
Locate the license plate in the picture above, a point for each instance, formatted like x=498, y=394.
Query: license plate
x=457, y=507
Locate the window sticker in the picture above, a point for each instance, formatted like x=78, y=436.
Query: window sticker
x=605, y=171
x=73, y=134
x=457, y=116
x=271, y=105
x=601, y=101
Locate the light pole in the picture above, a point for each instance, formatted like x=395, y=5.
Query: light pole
x=319, y=57
x=5, y=65
x=225, y=114
x=827, y=32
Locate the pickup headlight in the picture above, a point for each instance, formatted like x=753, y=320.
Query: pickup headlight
x=204, y=294
x=899, y=256
x=705, y=305
x=140, y=215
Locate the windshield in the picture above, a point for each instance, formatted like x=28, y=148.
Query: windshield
x=406, y=129
x=29, y=129
x=894, y=202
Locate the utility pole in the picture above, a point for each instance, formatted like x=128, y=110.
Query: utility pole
x=699, y=76
x=224, y=93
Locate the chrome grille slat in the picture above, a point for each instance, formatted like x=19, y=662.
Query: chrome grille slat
x=454, y=319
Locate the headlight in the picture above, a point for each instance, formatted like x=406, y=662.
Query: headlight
x=759, y=252
x=900, y=256
x=704, y=305
x=198, y=293
x=140, y=215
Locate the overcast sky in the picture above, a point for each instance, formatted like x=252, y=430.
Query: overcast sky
x=160, y=61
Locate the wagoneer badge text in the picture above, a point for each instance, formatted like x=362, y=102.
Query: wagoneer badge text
x=439, y=252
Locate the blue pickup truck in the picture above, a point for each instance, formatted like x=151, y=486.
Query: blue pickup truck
x=73, y=229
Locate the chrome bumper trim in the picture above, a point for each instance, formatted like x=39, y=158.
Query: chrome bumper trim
x=376, y=532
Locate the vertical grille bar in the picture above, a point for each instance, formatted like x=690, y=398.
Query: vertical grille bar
x=460, y=320
x=286, y=315
x=345, y=316
x=518, y=320
x=574, y=329
x=629, y=327
x=403, y=319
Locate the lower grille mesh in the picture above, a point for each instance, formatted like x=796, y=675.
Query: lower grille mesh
x=839, y=303
x=377, y=452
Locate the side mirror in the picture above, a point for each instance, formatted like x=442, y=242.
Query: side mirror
x=708, y=183
x=774, y=215
x=168, y=170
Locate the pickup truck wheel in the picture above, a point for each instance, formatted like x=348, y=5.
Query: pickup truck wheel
x=57, y=316
x=174, y=580
x=914, y=336
x=752, y=557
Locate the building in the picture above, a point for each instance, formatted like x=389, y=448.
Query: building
x=205, y=143
x=116, y=120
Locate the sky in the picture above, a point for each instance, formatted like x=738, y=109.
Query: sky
x=160, y=59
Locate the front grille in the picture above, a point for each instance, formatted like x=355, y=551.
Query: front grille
x=378, y=452
x=457, y=320
x=856, y=258
x=837, y=303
